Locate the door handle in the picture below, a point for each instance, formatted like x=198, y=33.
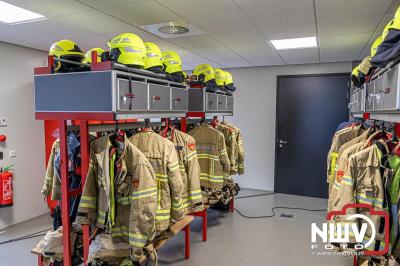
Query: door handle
x=283, y=142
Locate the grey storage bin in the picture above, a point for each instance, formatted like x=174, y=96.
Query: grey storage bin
x=221, y=102
x=229, y=103
x=179, y=99
x=159, y=97
x=369, y=102
x=211, y=101
x=137, y=100
x=379, y=98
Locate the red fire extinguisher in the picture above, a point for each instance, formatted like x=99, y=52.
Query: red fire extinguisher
x=6, y=188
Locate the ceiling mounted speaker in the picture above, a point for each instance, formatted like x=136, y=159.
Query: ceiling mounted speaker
x=173, y=29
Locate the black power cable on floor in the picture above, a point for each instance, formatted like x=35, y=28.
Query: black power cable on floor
x=274, y=214
x=257, y=195
x=25, y=237
x=273, y=209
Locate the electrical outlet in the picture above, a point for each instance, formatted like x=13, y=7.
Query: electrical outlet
x=12, y=154
x=3, y=122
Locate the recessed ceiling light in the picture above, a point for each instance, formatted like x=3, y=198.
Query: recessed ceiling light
x=296, y=43
x=11, y=14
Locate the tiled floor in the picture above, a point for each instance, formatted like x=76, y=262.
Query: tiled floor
x=232, y=239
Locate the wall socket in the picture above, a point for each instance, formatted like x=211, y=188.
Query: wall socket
x=12, y=154
x=3, y=122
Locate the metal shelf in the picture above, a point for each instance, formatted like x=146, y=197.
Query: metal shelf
x=394, y=118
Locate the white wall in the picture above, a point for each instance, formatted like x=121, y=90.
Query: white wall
x=255, y=114
x=24, y=134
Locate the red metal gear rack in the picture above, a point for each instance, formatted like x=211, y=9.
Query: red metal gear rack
x=83, y=118
x=203, y=213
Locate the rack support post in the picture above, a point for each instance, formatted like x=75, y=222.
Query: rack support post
x=232, y=205
x=40, y=260
x=65, y=194
x=205, y=222
x=184, y=124
x=84, y=132
x=187, y=241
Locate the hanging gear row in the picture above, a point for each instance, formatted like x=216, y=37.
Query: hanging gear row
x=385, y=49
x=364, y=168
x=137, y=187
x=130, y=50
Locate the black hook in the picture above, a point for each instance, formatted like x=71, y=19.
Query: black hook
x=147, y=122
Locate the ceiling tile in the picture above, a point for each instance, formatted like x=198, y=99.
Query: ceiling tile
x=195, y=41
x=195, y=59
x=107, y=3
x=51, y=8
x=142, y=13
x=300, y=56
x=194, y=10
x=222, y=20
x=278, y=19
x=260, y=54
x=21, y=34
x=345, y=47
x=239, y=62
x=51, y=27
x=230, y=28
x=166, y=45
x=104, y=24
x=344, y=17
x=219, y=54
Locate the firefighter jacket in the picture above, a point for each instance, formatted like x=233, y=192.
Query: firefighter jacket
x=239, y=151
x=213, y=156
x=393, y=181
x=363, y=183
x=341, y=164
x=120, y=194
x=189, y=167
x=51, y=182
x=162, y=156
x=231, y=146
x=340, y=138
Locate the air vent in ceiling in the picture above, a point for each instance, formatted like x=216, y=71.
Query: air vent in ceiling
x=173, y=29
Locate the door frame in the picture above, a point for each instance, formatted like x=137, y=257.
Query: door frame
x=277, y=108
